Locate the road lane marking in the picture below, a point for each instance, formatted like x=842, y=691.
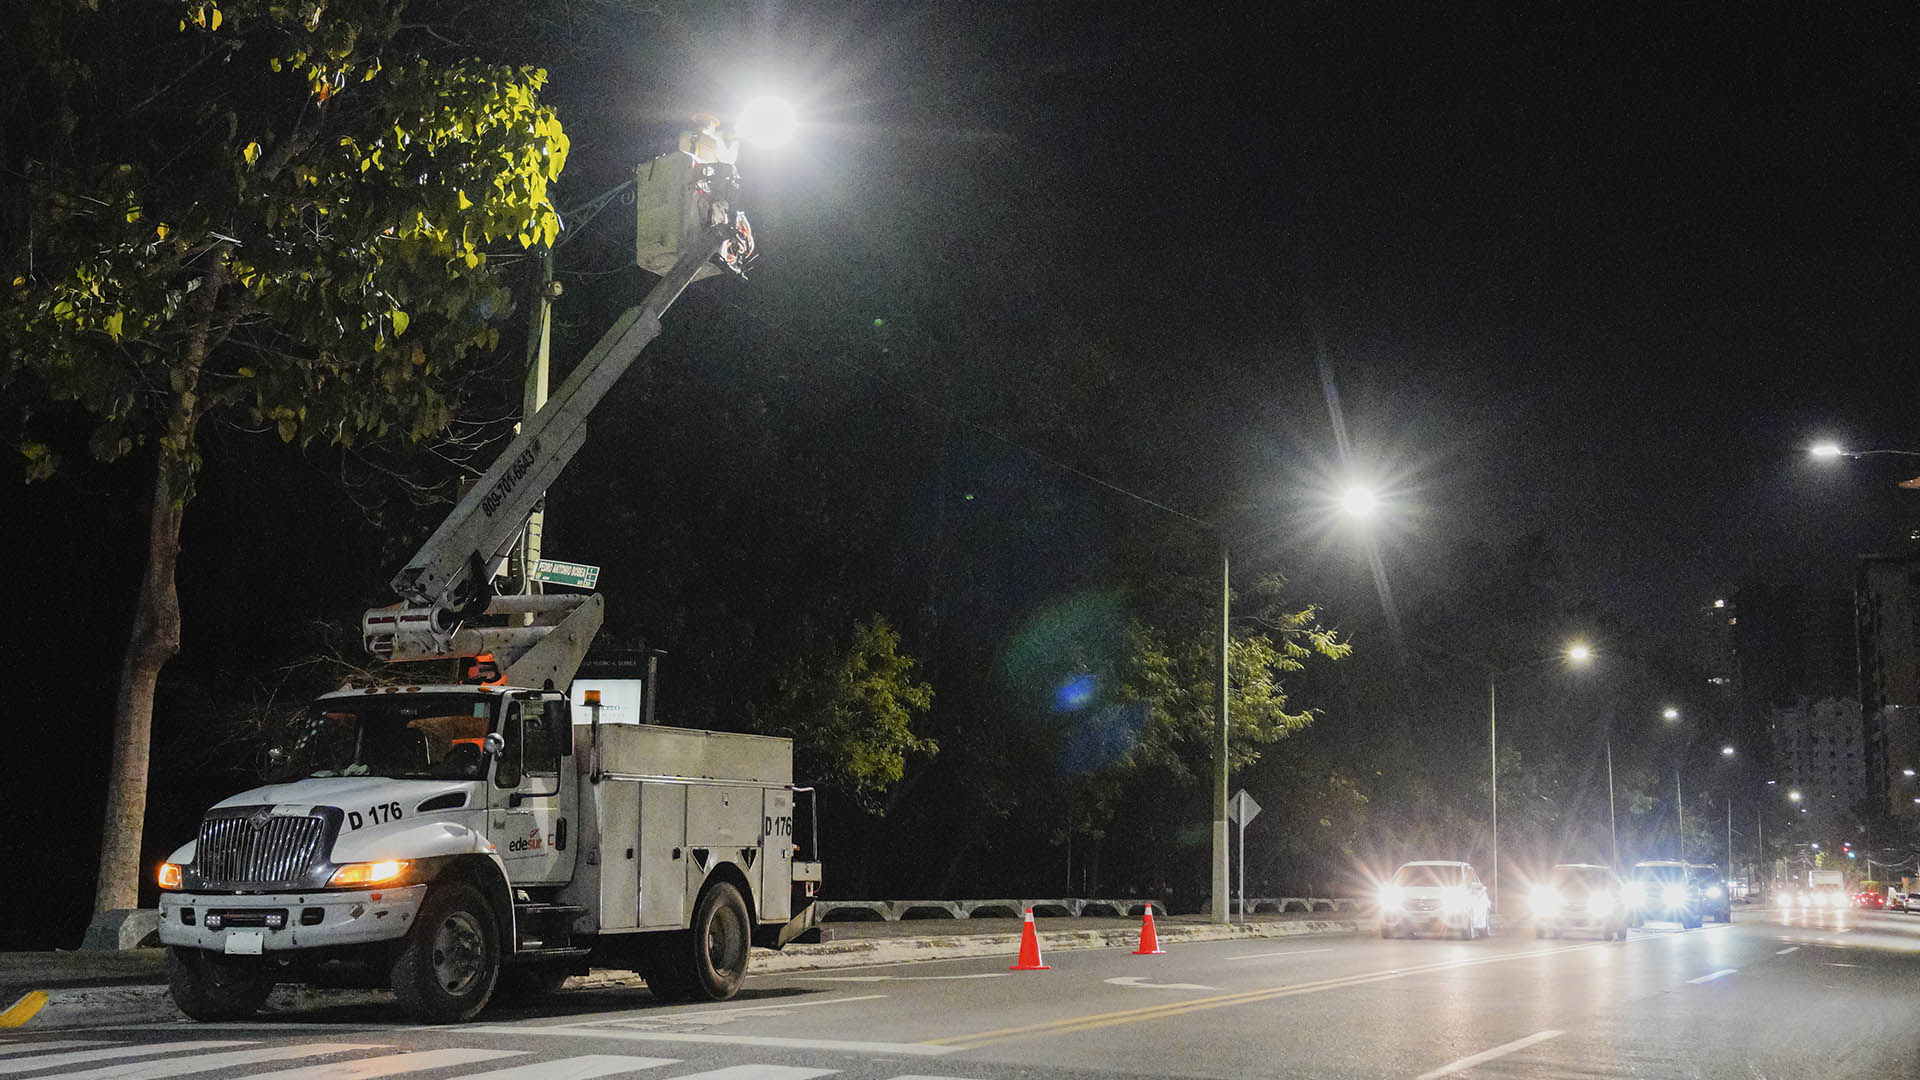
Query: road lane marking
x=35, y=1047
x=391, y=1065
x=1139, y=982
x=1488, y=1055
x=759, y=1073
x=1709, y=977
x=850, y=1046
x=901, y=978
x=81, y=1057
x=25, y=1009
x=583, y=1067
x=978, y=1039
x=1289, y=952
x=1788, y=949
x=160, y=1070
x=706, y=1015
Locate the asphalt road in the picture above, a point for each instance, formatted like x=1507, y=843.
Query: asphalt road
x=1773, y=995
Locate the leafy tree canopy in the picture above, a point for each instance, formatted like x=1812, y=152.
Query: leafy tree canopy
x=260, y=209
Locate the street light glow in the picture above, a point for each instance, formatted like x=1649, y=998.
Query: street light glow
x=1359, y=502
x=1579, y=652
x=1825, y=450
x=1726, y=751
x=766, y=121
x=1670, y=713
x=1793, y=796
x=1906, y=772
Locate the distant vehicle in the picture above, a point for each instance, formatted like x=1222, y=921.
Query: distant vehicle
x=1816, y=898
x=1439, y=897
x=1716, y=900
x=1582, y=898
x=1817, y=878
x=1662, y=891
x=1875, y=899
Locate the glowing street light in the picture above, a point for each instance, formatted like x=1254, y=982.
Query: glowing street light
x=1359, y=502
x=1726, y=751
x=1793, y=796
x=1670, y=714
x=1580, y=652
x=1825, y=450
x=766, y=121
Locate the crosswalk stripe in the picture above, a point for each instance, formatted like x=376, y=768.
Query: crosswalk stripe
x=390, y=1065
x=187, y=1066
x=81, y=1057
x=11, y=1049
x=584, y=1067
x=759, y=1073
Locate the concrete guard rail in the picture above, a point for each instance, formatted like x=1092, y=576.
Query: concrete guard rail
x=1060, y=907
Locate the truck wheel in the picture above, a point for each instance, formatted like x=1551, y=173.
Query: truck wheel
x=209, y=986
x=451, y=960
x=721, y=937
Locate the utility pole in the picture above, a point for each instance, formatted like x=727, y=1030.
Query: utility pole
x=1679, y=814
x=533, y=398
x=1613, y=827
x=1220, y=885
x=1493, y=755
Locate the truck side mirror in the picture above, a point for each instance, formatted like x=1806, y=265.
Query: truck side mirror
x=493, y=743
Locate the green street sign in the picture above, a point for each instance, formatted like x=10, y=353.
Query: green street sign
x=578, y=575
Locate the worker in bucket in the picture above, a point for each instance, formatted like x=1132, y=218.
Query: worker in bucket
x=714, y=150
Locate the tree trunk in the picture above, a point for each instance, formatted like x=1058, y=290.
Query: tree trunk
x=155, y=639
x=156, y=625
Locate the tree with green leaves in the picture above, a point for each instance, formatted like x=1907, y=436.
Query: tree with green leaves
x=851, y=711
x=271, y=214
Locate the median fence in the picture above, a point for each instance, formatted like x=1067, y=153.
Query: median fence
x=1052, y=907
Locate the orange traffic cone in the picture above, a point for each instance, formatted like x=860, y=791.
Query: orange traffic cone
x=1149, y=941
x=1029, y=947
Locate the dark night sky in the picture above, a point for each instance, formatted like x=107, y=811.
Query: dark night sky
x=1595, y=271
x=1592, y=271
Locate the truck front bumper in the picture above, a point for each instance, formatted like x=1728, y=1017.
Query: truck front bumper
x=256, y=924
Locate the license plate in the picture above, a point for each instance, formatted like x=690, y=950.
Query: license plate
x=246, y=942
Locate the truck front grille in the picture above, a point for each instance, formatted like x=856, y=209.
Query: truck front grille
x=257, y=850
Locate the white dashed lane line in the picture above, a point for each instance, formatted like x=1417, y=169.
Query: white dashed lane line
x=1713, y=975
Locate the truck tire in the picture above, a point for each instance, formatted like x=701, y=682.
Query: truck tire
x=722, y=934
x=447, y=969
x=209, y=986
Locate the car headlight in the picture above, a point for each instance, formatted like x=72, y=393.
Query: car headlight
x=367, y=873
x=1545, y=901
x=1453, y=899
x=1674, y=896
x=1714, y=891
x=1599, y=903
x=1391, y=897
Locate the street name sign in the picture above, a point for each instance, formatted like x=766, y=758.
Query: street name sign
x=578, y=575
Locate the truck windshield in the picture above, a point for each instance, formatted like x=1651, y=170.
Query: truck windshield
x=410, y=737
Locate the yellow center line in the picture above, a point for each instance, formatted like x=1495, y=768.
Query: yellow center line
x=1243, y=997
x=24, y=1010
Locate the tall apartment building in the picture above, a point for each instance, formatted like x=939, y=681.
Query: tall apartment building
x=1887, y=628
x=1818, y=742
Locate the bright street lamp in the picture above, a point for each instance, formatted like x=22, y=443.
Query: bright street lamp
x=1359, y=502
x=1726, y=751
x=1830, y=450
x=1670, y=714
x=766, y=121
x=1793, y=796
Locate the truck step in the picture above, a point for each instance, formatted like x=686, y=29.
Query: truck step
x=542, y=911
x=539, y=956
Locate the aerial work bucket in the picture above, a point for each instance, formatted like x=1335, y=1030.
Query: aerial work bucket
x=676, y=199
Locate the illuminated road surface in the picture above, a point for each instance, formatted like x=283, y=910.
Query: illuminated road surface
x=1773, y=995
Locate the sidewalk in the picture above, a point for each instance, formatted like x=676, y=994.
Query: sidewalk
x=130, y=987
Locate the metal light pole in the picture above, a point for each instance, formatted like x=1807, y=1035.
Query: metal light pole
x=1219, y=908
x=1493, y=753
x=1613, y=828
x=1679, y=814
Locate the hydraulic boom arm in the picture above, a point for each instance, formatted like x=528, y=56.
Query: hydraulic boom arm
x=450, y=580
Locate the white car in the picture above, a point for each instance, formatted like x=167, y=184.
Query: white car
x=1444, y=898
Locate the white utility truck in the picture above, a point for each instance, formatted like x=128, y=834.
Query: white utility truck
x=448, y=838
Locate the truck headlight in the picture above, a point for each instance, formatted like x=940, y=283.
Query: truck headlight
x=1391, y=898
x=367, y=873
x=170, y=875
x=1545, y=901
x=1453, y=899
x=1599, y=903
x=1674, y=896
x=1714, y=891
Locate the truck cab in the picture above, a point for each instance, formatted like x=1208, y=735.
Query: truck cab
x=448, y=840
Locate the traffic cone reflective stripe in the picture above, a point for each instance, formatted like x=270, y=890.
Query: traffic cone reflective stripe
x=1149, y=941
x=1029, y=946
